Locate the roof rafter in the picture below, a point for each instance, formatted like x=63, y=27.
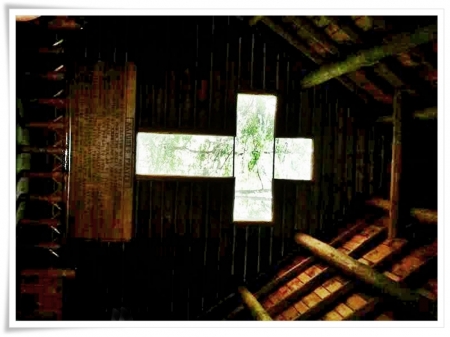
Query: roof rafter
x=386, y=69
x=397, y=44
x=332, y=46
x=299, y=45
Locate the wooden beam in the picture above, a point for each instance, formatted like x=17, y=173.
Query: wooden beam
x=427, y=114
x=316, y=275
x=389, y=68
x=428, y=216
x=300, y=267
x=396, y=45
x=362, y=272
x=254, y=20
x=256, y=309
x=308, y=29
x=352, y=34
x=305, y=50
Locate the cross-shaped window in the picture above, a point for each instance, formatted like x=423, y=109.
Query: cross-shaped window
x=254, y=157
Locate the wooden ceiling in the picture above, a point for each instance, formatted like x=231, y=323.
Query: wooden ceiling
x=369, y=55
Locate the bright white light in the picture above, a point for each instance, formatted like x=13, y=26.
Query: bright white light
x=293, y=158
x=184, y=155
x=253, y=158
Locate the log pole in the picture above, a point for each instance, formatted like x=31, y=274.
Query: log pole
x=297, y=269
x=397, y=44
x=364, y=273
x=256, y=309
x=426, y=216
x=427, y=114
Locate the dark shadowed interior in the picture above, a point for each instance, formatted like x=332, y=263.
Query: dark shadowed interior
x=363, y=88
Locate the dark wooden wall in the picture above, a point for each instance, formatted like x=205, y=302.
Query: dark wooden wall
x=187, y=254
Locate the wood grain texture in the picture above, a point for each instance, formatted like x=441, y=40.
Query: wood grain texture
x=102, y=112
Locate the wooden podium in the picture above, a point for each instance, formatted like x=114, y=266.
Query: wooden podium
x=102, y=146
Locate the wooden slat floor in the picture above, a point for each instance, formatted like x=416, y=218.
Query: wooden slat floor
x=320, y=292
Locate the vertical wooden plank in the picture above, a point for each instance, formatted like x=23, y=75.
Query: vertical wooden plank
x=306, y=111
x=197, y=250
x=295, y=113
x=172, y=91
x=396, y=166
x=219, y=54
x=316, y=203
x=232, y=77
x=289, y=214
x=258, y=67
x=214, y=119
x=327, y=164
x=204, y=73
x=304, y=206
x=281, y=113
x=271, y=68
x=336, y=189
x=265, y=251
x=227, y=244
x=240, y=252
x=360, y=155
x=252, y=252
x=350, y=156
x=372, y=160
x=277, y=233
x=245, y=66
x=156, y=197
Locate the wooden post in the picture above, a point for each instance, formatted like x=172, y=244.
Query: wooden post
x=364, y=273
x=396, y=166
x=256, y=309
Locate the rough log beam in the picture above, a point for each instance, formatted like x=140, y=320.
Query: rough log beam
x=364, y=273
x=254, y=20
x=397, y=44
x=256, y=309
x=300, y=267
x=429, y=113
x=346, y=82
x=388, y=69
x=332, y=46
x=423, y=215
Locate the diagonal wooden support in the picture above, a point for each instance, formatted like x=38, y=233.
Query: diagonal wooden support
x=362, y=272
x=300, y=267
x=396, y=45
x=286, y=296
x=402, y=272
x=322, y=296
x=304, y=49
x=427, y=114
x=256, y=309
x=427, y=216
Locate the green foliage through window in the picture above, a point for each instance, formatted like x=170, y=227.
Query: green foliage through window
x=252, y=163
